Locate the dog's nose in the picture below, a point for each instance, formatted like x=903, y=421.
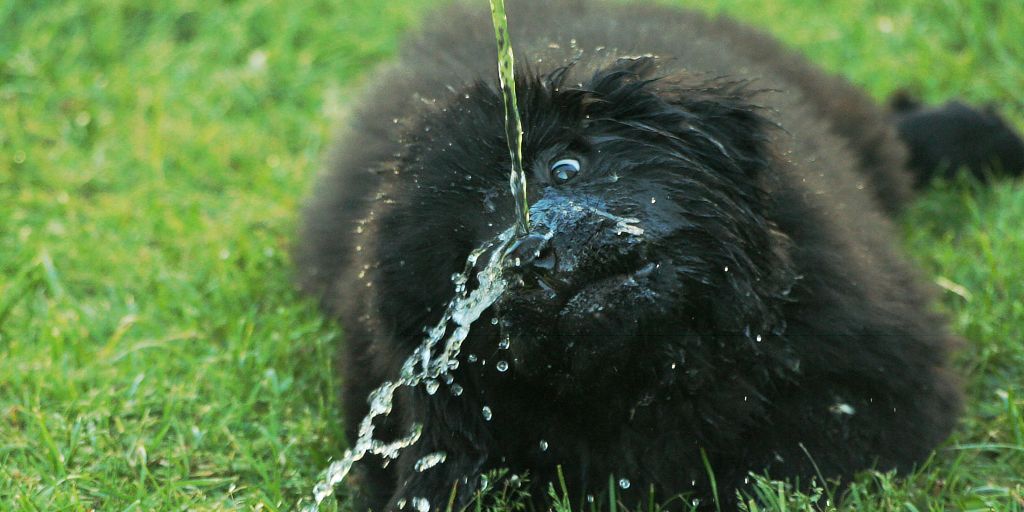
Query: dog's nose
x=531, y=252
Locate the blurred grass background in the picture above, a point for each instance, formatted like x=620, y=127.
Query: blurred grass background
x=153, y=156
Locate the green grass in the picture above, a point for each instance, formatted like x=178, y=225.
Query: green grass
x=153, y=155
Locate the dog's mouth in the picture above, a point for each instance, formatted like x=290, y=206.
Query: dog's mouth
x=533, y=265
x=557, y=326
x=553, y=295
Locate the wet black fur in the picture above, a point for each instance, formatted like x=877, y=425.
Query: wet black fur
x=765, y=317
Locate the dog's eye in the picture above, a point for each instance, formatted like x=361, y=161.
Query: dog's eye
x=564, y=170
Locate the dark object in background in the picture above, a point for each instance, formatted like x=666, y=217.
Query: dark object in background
x=765, y=315
x=943, y=140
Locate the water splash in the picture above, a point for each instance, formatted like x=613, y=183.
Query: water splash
x=622, y=224
x=426, y=365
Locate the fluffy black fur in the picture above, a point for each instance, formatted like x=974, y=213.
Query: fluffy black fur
x=764, y=318
x=945, y=140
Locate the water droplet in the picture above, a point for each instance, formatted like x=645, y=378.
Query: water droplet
x=726, y=268
x=421, y=504
x=504, y=343
x=842, y=409
x=758, y=338
x=653, y=200
x=258, y=60
x=471, y=358
x=494, y=321
x=543, y=445
x=624, y=483
x=502, y=366
x=432, y=386
x=456, y=389
x=695, y=502
x=487, y=413
x=590, y=498
x=429, y=461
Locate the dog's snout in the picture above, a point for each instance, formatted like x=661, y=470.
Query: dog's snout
x=532, y=252
x=558, y=253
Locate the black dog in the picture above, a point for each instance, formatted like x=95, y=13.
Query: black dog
x=756, y=316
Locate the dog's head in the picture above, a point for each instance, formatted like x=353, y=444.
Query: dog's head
x=649, y=227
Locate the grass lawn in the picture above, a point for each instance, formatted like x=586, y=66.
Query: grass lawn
x=153, y=156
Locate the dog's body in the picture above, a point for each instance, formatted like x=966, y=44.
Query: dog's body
x=764, y=317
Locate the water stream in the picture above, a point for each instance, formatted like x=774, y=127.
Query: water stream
x=429, y=364
x=513, y=126
x=432, y=361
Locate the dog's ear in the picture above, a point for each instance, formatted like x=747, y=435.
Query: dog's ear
x=728, y=131
x=713, y=120
x=736, y=139
x=725, y=116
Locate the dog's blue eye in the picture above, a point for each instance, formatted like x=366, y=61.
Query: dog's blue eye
x=564, y=170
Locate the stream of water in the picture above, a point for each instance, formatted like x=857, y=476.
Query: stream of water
x=430, y=363
x=513, y=126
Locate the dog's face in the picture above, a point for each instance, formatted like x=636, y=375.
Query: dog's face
x=648, y=227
